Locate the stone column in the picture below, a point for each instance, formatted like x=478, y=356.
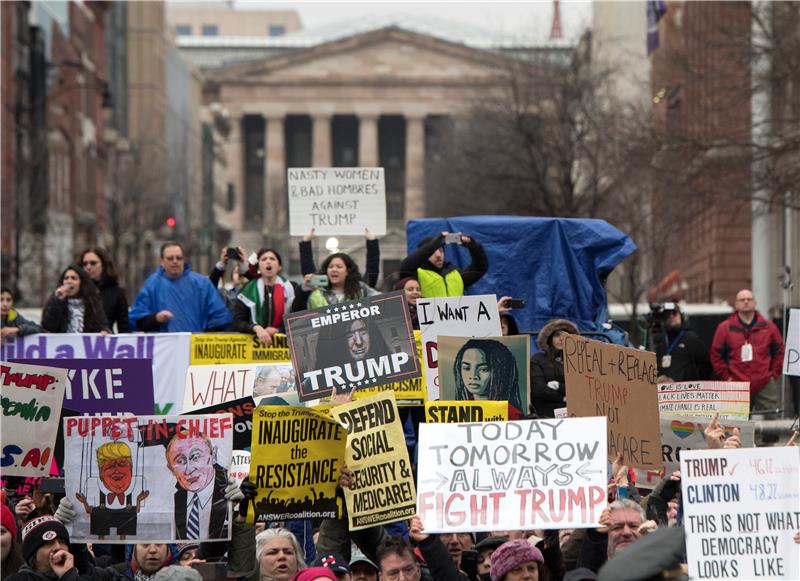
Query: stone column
x=368, y=152
x=235, y=163
x=276, y=222
x=415, y=167
x=321, y=140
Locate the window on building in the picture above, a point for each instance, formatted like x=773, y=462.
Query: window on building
x=183, y=30
x=277, y=30
x=210, y=30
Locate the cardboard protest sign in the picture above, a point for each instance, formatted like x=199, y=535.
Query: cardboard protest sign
x=211, y=385
x=494, y=368
x=511, y=475
x=681, y=433
x=363, y=343
x=376, y=454
x=336, y=200
x=459, y=412
x=97, y=386
x=32, y=397
x=148, y=478
x=730, y=398
x=241, y=411
x=740, y=511
x=619, y=383
x=168, y=351
x=791, y=355
x=230, y=348
x=295, y=462
x=409, y=392
x=469, y=316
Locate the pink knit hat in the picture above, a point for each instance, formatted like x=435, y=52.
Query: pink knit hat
x=8, y=521
x=511, y=555
x=314, y=573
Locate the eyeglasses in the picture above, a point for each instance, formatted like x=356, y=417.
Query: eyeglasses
x=173, y=258
x=91, y=262
x=407, y=572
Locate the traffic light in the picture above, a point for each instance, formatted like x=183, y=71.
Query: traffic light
x=171, y=222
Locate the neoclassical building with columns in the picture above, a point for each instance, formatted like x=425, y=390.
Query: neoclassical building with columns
x=377, y=97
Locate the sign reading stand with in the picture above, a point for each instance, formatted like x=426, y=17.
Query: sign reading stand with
x=337, y=200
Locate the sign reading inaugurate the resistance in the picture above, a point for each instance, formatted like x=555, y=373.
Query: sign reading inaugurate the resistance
x=32, y=397
x=619, y=383
x=217, y=348
x=295, y=462
x=730, y=398
x=518, y=475
x=741, y=509
x=383, y=489
x=336, y=200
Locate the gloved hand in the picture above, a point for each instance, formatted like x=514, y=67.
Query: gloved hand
x=248, y=491
x=233, y=493
x=553, y=385
x=65, y=512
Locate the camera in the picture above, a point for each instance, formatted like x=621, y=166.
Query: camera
x=658, y=315
x=233, y=253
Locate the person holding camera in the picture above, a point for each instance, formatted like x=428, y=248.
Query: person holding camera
x=439, y=278
x=680, y=353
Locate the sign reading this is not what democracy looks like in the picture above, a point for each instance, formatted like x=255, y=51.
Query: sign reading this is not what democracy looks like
x=31, y=396
x=337, y=200
x=383, y=488
x=619, y=383
x=741, y=509
x=296, y=459
x=468, y=316
x=520, y=475
x=705, y=398
x=791, y=355
x=357, y=344
x=210, y=385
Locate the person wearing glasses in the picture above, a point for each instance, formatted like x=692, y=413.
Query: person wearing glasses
x=175, y=299
x=100, y=267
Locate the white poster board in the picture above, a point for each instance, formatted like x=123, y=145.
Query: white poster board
x=730, y=398
x=741, y=509
x=337, y=200
x=470, y=316
x=212, y=385
x=791, y=355
x=509, y=476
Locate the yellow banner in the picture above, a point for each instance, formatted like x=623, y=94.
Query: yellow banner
x=456, y=412
x=407, y=393
x=219, y=348
x=296, y=461
x=376, y=454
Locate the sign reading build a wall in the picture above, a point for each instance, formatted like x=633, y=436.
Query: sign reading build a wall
x=619, y=383
x=337, y=200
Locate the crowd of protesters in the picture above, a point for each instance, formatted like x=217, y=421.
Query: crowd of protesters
x=640, y=537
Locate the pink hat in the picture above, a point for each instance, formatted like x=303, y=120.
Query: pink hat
x=314, y=573
x=8, y=521
x=512, y=554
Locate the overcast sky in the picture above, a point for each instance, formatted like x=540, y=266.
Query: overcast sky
x=529, y=20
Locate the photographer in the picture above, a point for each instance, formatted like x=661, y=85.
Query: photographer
x=680, y=352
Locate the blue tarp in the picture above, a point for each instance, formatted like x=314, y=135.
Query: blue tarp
x=555, y=264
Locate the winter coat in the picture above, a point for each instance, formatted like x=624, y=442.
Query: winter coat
x=55, y=318
x=25, y=326
x=246, y=312
x=192, y=299
x=726, y=351
x=115, y=304
x=547, y=366
x=688, y=356
x=448, y=280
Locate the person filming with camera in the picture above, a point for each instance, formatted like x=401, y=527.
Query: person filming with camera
x=681, y=354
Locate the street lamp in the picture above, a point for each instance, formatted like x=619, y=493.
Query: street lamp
x=332, y=244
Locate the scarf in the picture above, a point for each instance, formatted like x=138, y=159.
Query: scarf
x=266, y=304
x=77, y=311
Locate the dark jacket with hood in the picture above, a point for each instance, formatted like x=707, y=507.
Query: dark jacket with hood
x=547, y=366
x=115, y=304
x=419, y=260
x=688, y=355
x=83, y=570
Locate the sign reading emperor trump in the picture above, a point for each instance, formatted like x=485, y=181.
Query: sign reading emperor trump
x=358, y=344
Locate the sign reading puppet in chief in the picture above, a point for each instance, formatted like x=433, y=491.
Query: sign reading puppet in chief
x=357, y=344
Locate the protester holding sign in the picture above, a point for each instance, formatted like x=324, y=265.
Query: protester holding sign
x=438, y=278
x=410, y=286
x=75, y=306
x=548, y=388
x=99, y=265
x=263, y=302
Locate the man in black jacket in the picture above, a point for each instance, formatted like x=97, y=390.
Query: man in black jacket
x=681, y=354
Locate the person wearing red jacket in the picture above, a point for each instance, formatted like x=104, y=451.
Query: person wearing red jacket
x=748, y=347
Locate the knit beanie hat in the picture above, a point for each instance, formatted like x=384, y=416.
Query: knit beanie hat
x=8, y=521
x=40, y=531
x=177, y=573
x=511, y=555
x=314, y=573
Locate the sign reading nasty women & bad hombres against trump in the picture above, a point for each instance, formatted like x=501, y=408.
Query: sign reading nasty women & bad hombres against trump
x=383, y=483
x=357, y=344
x=619, y=383
x=741, y=508
x=337, y=200
x=530, y=474
x=31, y=397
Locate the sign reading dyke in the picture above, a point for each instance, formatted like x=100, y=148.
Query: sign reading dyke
x=337, y=200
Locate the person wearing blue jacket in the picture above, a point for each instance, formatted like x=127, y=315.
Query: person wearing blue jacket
x=175, y=299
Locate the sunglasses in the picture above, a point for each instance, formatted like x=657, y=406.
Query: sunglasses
x=91, y=262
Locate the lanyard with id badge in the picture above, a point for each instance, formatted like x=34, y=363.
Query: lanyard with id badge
x=666, y=359
x=747, y=352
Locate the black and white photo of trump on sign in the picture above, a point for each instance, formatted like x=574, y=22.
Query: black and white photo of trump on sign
x=364, y=343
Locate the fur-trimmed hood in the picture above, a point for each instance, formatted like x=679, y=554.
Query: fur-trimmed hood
x=550, y=328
